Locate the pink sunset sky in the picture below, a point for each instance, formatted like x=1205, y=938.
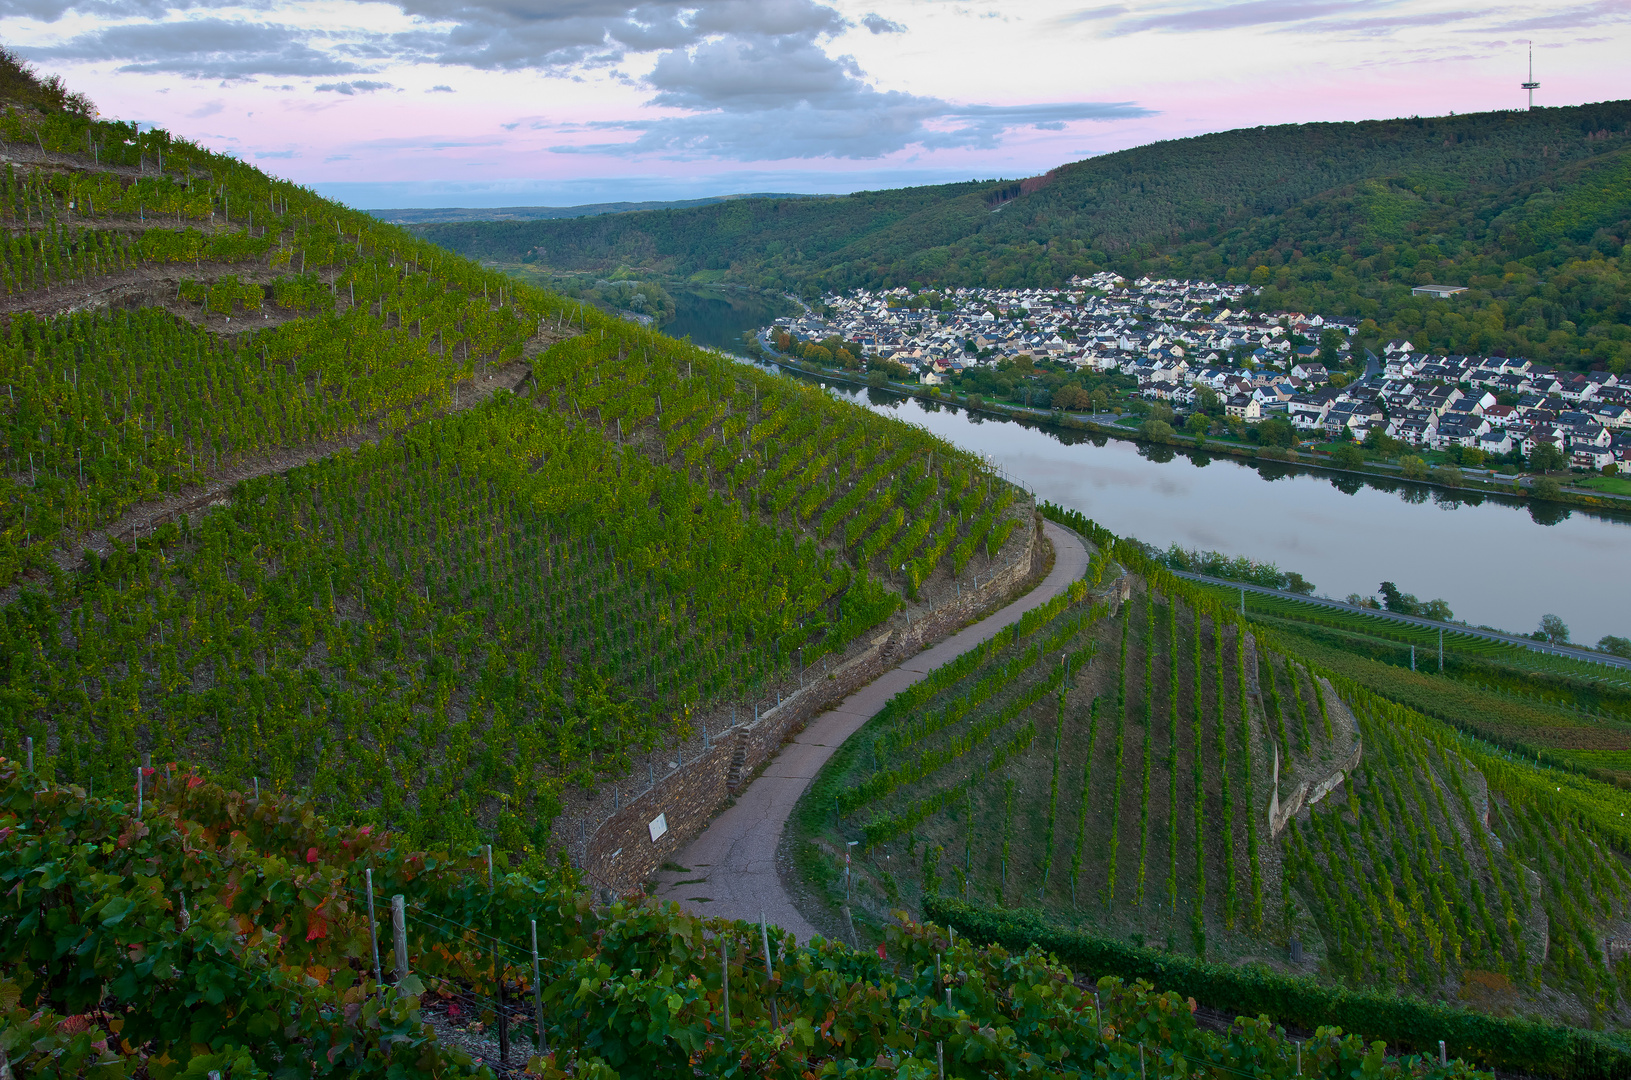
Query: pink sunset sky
x=528, y=102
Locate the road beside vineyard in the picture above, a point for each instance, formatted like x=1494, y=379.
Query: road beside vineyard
x=731, y=868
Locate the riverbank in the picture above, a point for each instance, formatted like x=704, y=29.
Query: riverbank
x=1387, y=473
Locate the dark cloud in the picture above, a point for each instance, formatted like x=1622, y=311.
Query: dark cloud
x=880, y=25
x=490, y=34
x=440, y=89
x=752, y=74
x=767, y=98
x=749, y=79
x=545, y=34
x=112, y=10
x=864, y=124
x=203, y=49
x=351, y=88
x=264, y=155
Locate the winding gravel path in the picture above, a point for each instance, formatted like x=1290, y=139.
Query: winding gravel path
x=732, y=863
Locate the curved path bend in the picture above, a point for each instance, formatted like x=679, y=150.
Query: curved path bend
x=732, y=864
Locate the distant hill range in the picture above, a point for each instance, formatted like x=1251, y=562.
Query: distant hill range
x=1531, y=210
x=422, y=216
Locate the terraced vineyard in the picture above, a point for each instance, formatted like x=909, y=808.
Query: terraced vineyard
x=1426, y=640
x=297, y=497
x=1195, y=786
x=1552, y=709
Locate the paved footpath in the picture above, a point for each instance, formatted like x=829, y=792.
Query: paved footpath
x=733, y=862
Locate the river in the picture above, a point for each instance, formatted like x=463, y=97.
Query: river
x=718, y=318
x=1498, y=562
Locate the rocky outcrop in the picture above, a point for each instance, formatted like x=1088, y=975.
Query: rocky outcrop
x=1311, y=790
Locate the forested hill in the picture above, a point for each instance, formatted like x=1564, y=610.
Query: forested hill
x=1531, y=209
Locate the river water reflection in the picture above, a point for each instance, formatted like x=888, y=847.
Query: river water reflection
x=1498, y=562
x=717, y=318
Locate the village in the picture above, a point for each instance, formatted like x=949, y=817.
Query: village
x=1193, y=347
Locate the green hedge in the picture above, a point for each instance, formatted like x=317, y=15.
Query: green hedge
x=1515, y=1045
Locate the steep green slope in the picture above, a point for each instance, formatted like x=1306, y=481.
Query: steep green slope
x=1117, y=768
x=301, y=498
x=1341, y=218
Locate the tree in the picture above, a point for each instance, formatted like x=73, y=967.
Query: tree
x=1101, y=400
x=1071, y=396
x=1414, y=468
x=1298, y=584
x=1447, y=475
x=1381, y=442
x=1348, y=456
x=20, y=81
x=1197, y=424
x=1276, y=432
x=1157, y=430
x=1618, y=646
x=1394, y=600
x=1546, y=488
x=1437, y=609
x=1554, y=629
x=1547, y=458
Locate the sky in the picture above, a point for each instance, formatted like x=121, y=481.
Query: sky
x=401, y=103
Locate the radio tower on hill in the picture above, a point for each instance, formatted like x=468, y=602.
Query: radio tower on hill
x=1531, y=85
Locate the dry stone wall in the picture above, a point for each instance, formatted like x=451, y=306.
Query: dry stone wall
x=619, y=844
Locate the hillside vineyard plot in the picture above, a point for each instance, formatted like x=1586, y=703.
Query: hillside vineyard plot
x=1135, y=797
x=495, y=607
x=272, y=917
x=469, y=599
x=105, y=409
x=1422, y=875
x=1553, y=709
x=1084, y=767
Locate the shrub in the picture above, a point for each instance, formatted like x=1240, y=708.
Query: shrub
x=1447, y=475
x=1157, y=430
x=1348, y=456
x=1507, y=1044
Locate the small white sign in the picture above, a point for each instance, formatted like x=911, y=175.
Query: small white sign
x=658, y=827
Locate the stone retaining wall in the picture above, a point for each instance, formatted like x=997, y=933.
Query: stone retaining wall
x=621, y=851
